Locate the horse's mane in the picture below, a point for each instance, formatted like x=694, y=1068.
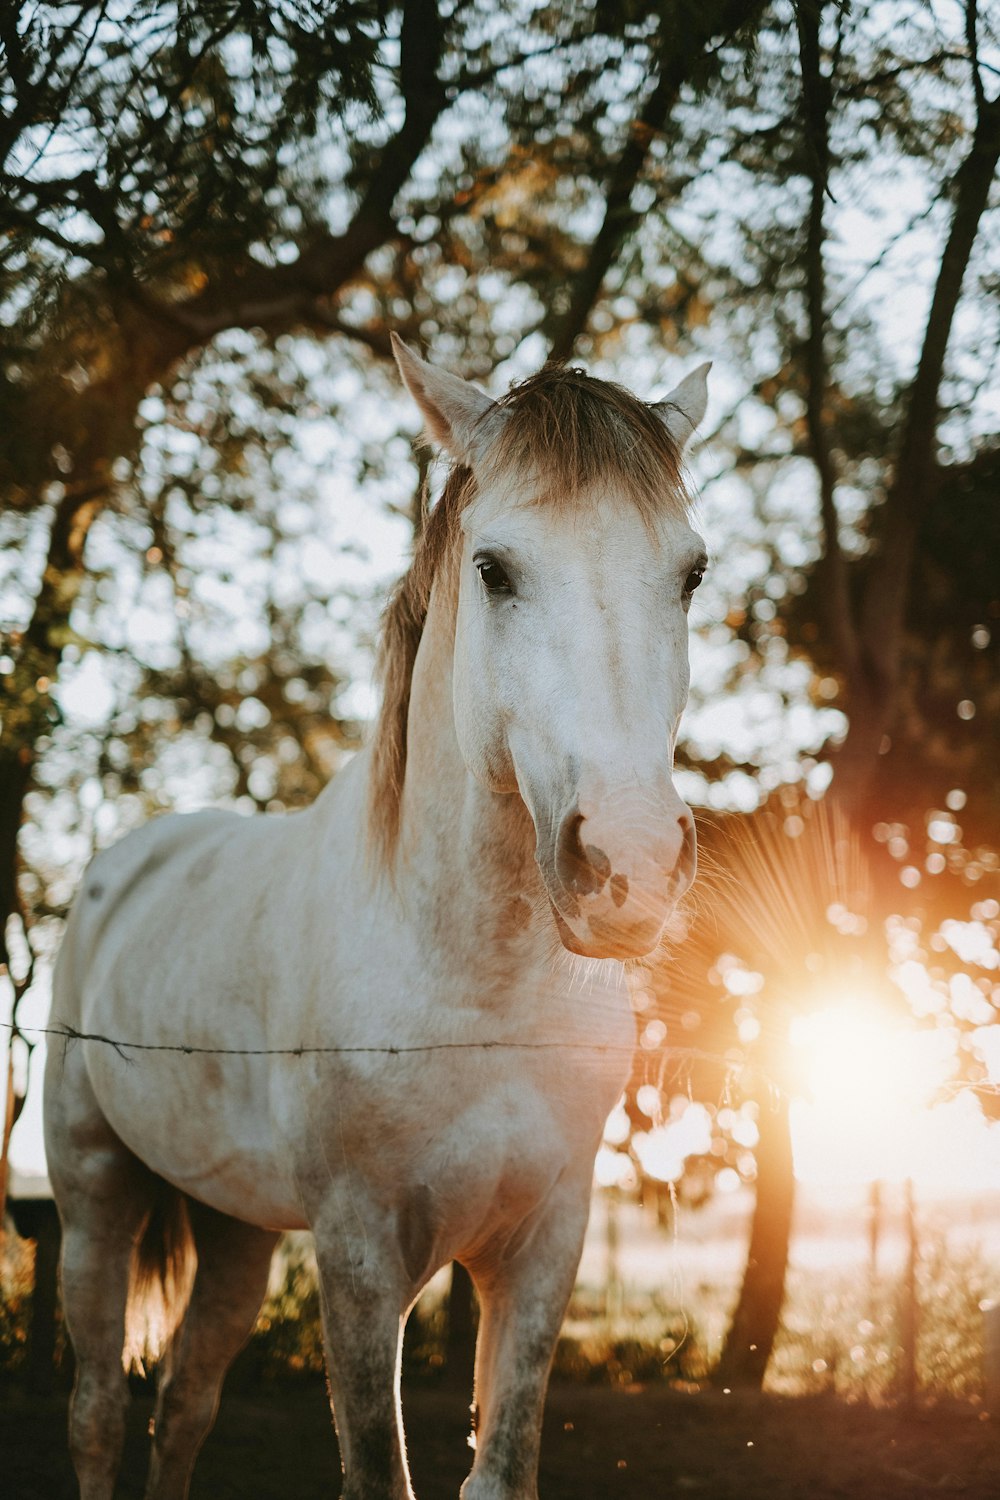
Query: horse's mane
x=569, y=430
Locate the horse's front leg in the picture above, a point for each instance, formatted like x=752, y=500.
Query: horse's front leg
x=523, y=1297
x=364, y=1296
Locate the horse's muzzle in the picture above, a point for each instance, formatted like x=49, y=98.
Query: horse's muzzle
x=614, y=877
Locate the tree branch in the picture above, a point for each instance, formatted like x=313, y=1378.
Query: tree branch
x=268, y=294
x=12, y=218
x=374, y=337
x=887, y=586
x=816, y=97
x=916, y=465
x=32, y=96
x=972, y=40
x=679, y=51
x=869, y=86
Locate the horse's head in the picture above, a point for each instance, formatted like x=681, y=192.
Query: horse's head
x=577, y=566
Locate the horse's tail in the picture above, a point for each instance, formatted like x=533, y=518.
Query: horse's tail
x=161, y=1277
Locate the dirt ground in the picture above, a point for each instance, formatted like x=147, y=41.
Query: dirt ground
x=647, y=1443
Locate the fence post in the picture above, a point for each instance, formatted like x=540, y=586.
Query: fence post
x=991, y=1355
x=9, y=1118
x=874, y=1238
x=460, y=1334
x=909, y=1310
x=37, y=1220
x=613, y=1290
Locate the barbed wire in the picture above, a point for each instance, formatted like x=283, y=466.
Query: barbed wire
x=664, y=1053
x=389, y=1049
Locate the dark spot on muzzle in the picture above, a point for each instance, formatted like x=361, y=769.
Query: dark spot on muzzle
x=582, y=870
x=599, y=861
x=619, y=889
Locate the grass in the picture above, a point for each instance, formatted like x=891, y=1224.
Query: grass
x=840, y=1335
x=844, y=1334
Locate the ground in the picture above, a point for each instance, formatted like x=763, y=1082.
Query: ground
x=277, y=1442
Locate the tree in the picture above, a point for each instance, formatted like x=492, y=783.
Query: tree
x=862, y=617
x=885, y=605
x=867, y=625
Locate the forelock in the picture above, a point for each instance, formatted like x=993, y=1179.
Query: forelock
x=573, y=432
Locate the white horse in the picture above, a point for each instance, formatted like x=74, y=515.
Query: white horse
x=397, y=1051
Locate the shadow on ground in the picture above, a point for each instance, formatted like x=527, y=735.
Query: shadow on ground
x=646, y=1443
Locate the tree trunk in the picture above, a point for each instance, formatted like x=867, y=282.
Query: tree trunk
x=873, y=685
x=15, y=772
x=686, y=33
x=26, y=702
x=754, y=1326
x=460, y=1339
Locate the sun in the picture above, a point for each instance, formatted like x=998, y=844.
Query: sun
x=866, y=1082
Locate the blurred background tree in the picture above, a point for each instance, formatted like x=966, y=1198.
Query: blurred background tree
x=213, y=214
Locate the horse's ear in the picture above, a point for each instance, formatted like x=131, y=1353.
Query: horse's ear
x=452, y=408
x=684, y=408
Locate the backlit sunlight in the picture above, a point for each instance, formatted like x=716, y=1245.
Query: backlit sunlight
x=874, y=1104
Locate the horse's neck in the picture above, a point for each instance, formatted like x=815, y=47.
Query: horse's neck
x=467, y=876
x=469, y=851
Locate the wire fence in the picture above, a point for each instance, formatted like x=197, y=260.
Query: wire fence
x=667, y=1056
x=122, y=1046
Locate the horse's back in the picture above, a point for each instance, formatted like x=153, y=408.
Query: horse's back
x=121, y=890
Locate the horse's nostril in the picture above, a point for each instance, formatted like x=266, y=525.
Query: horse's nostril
x=688, y=857
x=582, y=869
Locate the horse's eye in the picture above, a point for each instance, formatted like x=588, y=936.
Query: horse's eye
x=693, y=579
x=495, y=580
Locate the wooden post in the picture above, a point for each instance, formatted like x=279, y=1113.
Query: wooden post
x=9, y=1116
x=874, y=1237
x=909, y=1310
x=991, y=1356
x=44, y=1304
x=460, y=1338
x=613, y=1283
x=37, y=1219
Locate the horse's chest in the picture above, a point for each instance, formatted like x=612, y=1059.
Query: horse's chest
x=484, y=1172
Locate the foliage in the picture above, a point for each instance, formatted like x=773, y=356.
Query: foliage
x=288, y=1339
x=15, y=1309
x=649, y=1339
x=842, y=1335
x=17, y=1277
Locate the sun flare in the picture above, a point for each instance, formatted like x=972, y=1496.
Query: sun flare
x=871, y=1100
